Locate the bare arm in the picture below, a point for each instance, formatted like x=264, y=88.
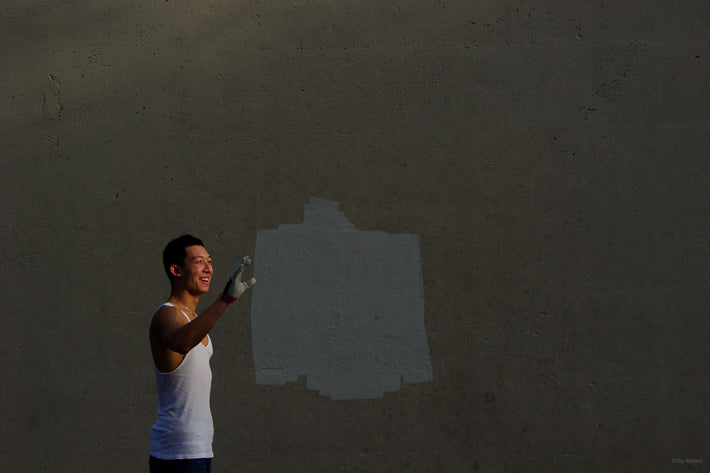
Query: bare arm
x=175, y=333
x=172, y=336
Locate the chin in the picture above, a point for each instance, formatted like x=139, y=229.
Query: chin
x=199, y=291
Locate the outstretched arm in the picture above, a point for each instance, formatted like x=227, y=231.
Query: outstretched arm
x=172, y=336
x=171, y=330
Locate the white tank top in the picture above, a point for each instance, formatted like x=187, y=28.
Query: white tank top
x=184, y=427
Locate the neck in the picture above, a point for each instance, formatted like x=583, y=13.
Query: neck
x=184, y=299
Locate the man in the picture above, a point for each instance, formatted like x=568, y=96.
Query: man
x=181, y=438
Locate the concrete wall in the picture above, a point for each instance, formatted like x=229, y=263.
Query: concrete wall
x=550, y=156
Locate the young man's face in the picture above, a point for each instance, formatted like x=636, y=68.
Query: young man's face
x=196, y=273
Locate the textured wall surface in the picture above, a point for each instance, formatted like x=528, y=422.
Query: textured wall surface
x=551, y=157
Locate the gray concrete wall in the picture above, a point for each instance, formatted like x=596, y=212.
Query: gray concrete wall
x=550, y=156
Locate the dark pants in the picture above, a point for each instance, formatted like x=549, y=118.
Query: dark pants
x=196, y=465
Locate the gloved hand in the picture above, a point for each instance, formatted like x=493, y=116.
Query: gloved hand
x=235, y=287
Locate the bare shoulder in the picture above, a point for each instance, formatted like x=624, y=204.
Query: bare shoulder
x=163, y=327
x=165, y=311
x=165, y=318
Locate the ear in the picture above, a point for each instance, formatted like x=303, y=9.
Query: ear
x=176, y=270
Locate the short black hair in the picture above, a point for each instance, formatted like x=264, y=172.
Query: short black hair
x=174, y=252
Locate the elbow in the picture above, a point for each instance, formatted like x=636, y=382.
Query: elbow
x=179, y=346
x=183, y=349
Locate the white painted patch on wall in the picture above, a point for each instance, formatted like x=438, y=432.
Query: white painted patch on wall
x=343, y=307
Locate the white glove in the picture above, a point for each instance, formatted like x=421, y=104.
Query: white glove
x=235, y=287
